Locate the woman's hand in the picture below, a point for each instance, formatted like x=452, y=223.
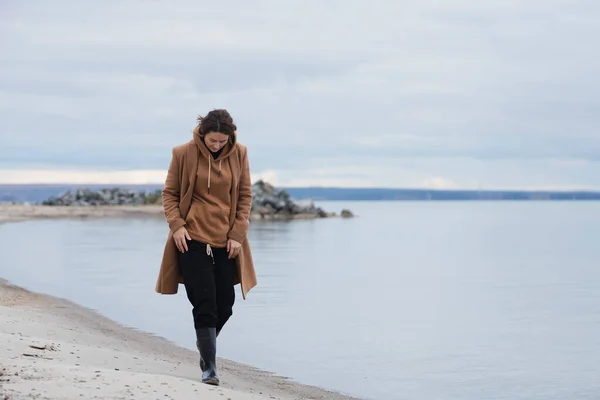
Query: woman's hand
x=180, y=237
x=233, y=248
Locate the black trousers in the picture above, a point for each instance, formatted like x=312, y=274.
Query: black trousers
x=208, y=283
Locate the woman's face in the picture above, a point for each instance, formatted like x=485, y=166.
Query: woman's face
x=215, y=140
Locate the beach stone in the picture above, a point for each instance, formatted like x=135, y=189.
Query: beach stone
x=346, y=213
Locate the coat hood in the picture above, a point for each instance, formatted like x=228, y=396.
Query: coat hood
x=228, y=150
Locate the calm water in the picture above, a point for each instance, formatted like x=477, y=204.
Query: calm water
x=407, y=301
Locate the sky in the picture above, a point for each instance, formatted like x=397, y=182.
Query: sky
x=434, y=94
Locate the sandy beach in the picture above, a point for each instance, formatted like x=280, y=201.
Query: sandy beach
x=55, y=349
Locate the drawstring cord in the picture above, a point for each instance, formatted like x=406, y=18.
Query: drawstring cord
x=209, y=164
x=209, y=169
x=210, y=252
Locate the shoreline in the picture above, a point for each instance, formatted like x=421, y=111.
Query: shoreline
x=58, y=349
x=24, y=212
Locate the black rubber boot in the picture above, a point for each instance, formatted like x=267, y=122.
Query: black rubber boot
x=202, y=364
x=206, y=341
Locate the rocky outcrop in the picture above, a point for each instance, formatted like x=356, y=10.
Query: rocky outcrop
x=271, y=203
x=267, y=202
x=104, y=197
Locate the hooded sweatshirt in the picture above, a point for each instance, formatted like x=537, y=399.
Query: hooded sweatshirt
x=208, y=219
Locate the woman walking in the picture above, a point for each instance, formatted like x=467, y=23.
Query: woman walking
x=207, y=199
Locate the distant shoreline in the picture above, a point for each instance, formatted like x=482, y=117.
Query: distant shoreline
x=24, y=212
x=36, y=193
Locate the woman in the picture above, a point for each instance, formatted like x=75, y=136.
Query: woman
x=207, y=199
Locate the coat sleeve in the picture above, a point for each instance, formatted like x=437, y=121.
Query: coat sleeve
x=170, y=194
x=239, y=229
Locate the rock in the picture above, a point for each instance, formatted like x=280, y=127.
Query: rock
x=346, y=214
x=103, y=197
x=267, y=200
x=322, y=213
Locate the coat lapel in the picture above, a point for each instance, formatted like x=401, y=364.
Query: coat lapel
x=191, y=167
x=234, y=163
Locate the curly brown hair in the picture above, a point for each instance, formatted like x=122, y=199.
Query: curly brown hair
x=217, y=121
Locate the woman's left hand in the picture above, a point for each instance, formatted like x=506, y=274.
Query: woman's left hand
x=233, y=248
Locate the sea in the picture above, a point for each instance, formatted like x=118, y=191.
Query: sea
x=408, y=300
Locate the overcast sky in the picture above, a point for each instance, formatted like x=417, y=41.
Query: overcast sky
x=396, y=93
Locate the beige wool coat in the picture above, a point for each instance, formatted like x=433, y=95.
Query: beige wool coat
x=177, y=200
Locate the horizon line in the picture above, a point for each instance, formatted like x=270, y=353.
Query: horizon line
x=386, y=188
x=139, y=177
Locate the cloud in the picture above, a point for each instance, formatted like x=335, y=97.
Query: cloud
x=439, y=85
x=439, y=183
x=431, y=173
x=32, y=176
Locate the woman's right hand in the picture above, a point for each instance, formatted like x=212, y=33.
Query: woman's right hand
x=180, y=237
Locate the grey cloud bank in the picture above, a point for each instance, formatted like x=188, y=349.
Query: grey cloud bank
x=398, y=94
